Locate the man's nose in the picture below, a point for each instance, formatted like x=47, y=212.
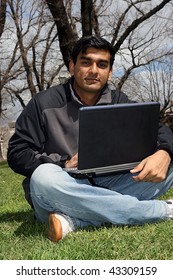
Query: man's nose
x=94, y=68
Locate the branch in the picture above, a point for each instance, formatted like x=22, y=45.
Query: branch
x=137, y=22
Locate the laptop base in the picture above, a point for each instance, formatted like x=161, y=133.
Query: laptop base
x=103, y=171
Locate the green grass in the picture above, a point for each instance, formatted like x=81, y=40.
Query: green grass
x=21, y=237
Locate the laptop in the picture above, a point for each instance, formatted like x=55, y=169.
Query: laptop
x=115, y=138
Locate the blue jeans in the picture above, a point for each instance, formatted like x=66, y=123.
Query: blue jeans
x=115, y=199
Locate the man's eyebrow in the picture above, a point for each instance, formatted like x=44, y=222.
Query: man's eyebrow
x=88, y=58
x=85, y=57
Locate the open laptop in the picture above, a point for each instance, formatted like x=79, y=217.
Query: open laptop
x=115, y=138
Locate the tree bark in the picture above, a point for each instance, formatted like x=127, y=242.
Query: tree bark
x=3, y=5
x=86, y=17
x=66, y=34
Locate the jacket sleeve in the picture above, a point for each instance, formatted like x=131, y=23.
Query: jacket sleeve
x=26, y=146
x=165, y=139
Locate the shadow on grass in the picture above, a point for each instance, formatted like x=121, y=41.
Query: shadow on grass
x=28, y=225
x=17, y=216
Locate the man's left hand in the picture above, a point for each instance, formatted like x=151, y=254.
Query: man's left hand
x=153, y=168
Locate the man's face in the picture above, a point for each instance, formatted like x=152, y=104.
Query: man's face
x=91, y=71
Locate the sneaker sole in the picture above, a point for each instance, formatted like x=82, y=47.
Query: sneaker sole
x=55, y=228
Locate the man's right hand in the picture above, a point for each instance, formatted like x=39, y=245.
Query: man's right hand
x=73, y=162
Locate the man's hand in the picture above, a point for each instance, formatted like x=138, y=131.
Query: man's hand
x=152, y=168
x=73, y=162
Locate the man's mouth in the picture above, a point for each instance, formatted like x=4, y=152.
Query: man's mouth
x=92, y=80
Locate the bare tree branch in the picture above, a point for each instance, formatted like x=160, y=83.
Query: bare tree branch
x=137, y=22
x=15, y=14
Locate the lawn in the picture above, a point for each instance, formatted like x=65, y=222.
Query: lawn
x=22, y=238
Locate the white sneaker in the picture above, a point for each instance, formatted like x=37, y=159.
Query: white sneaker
x=170, y=205
x=59, y=227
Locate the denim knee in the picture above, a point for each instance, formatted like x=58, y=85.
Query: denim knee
x=43, y=176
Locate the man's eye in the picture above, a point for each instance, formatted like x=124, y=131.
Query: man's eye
x=102, y=65
x=85, y=63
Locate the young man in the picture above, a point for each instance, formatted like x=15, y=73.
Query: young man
x=45, y=141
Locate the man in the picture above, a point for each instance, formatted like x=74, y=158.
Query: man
x=45, y=141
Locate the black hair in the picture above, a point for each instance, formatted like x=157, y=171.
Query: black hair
x=92, y=42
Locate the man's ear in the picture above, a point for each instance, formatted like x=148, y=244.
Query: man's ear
x=71, y=67
x=110, y=75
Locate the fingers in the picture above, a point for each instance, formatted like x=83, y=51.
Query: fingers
x=139, y=172
x=152, y=169
x=73, y=162
x=144, y=172
x=140, y=175
x=138, y=168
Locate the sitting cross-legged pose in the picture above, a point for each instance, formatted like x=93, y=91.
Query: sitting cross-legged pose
x=45, y=141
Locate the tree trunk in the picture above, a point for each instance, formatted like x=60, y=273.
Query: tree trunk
x=1, y=156
x=66, y=34
x=86, y=17
x=3, y=5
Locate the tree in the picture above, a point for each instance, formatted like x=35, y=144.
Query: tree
x=90, y=11
x=44, y=32
x=154, y=83
x=28, y=64
x=136, y=30
x=66, y=33
x=3, y=5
